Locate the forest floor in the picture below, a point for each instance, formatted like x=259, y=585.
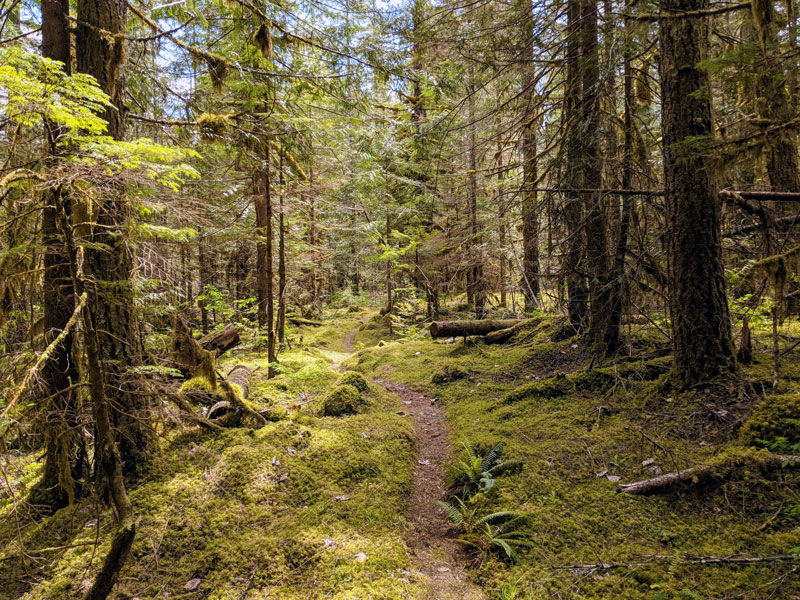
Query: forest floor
x=316, y=507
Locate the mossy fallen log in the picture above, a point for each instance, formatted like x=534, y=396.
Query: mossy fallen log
x=300, y=322
x=501, y=336
x=442, y=329
x=722, y=468
x=221, y=340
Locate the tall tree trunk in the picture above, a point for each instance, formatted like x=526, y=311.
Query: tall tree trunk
x=64, y=465
x=205, y=279
x=617, y=279
x=282, y=256
x=530, y=175
x=264, y=273
x=475, y=273
x=591, y=164
x=701, y=329
x=502, y=226
x=100, y=52
x=389, y=298
x=772, y=102
x=577, y=291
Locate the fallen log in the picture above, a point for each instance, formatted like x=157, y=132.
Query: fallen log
x=440, y=329
x=719, y=469
x=221, y=340
x=300, y=322
x=503, y=335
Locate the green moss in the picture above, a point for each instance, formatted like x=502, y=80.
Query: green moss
x=776, y=416
x=449, y=374
x=197, y=384
x=355, y=379
x=552, y=387
x=343, y=400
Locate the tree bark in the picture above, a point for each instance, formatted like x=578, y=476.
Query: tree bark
x=530, y=174
x=577, y=291
x=701, y=329
x=591, y=162
x=282, y=257
x=266, y=308
x=100, y=52
x=64, y=464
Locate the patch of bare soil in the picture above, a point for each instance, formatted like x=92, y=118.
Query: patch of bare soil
x=437, y=556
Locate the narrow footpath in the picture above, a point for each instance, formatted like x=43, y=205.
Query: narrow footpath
x=436, y=554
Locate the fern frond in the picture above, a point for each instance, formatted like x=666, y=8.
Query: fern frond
x=491, y=458
x=498, y=516
x=453, y=514
x=513, y=465
x=506, y=547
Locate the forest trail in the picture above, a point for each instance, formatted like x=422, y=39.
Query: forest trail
x=435, y=554
x=440, y=558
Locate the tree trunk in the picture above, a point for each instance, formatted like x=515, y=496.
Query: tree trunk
x=282, y=258
x=222, y=340
x=577, y=291
x=772, y=102
x=477, y=292
x=592, y=178
x=530, y=221
x=64, y=464
x=266, y=308
x=701, y=330
x=617, y=279
x=100, y=52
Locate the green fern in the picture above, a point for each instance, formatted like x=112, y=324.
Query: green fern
x=478, y=474
x=499, y=531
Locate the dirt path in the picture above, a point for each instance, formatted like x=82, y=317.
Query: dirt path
x=350, y=340
x=435, y=554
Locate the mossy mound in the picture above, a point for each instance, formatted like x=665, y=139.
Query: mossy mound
x=776, y=416
x=355, y=379
x=449, y=374
x=343, y=400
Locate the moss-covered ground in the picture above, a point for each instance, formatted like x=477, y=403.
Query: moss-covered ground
x=313, y=507
x=305, y=507
x=582, y=426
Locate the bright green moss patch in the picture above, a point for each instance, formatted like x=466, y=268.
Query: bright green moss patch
x=343, y=400
x=775, y=416
x=355, y=379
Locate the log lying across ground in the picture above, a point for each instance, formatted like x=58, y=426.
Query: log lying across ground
x=300, y=321
x=719, y=469
x=440, y=329
x=503, y=335
x=221, y=340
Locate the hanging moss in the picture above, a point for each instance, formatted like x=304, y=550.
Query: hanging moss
x=213, y=125
x=263, y=39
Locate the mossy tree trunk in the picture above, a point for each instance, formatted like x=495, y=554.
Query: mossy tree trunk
x=577, y=291
x=591, y=163
x=701, y=329
x=772, y=101
x=100, y=52
x=64, y=464
x=530, y=174
x=264, y=271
